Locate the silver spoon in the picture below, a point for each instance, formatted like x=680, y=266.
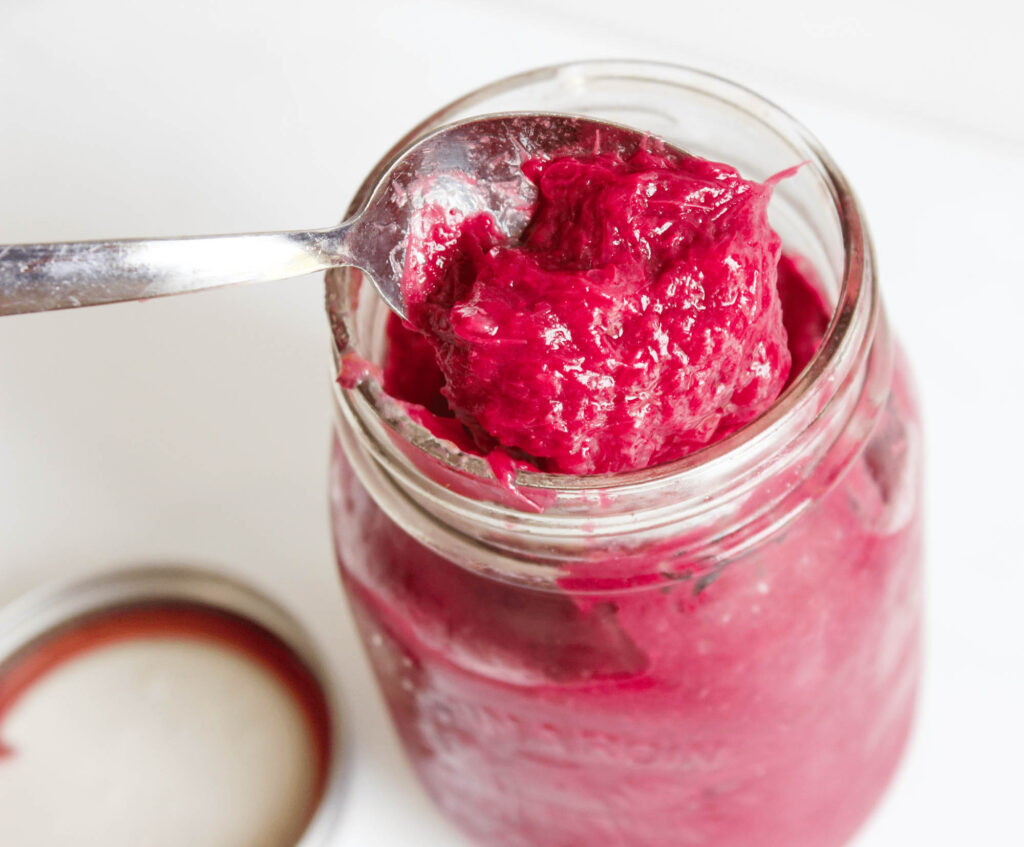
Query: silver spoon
x=471, y=166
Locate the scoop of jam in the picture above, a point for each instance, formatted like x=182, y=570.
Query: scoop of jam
x=636, y=320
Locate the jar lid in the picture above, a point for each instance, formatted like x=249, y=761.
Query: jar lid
x=165, y=701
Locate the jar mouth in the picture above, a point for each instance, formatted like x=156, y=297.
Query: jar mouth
x=854, y=313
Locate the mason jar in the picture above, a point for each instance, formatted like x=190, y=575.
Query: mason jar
x=722, y=650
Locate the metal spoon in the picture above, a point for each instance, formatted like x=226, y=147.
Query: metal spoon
x=467, y=167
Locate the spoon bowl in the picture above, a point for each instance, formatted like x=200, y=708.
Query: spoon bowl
x=465, y=168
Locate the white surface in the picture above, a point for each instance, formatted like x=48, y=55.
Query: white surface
x=196, y=429
x=158, y=742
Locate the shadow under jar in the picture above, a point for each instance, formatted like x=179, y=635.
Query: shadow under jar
x=722, y=650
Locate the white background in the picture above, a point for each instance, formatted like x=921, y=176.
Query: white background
x=196, y=429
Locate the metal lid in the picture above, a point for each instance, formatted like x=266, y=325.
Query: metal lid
x=47, y=610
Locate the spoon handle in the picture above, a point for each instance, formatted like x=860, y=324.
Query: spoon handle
x=45, y=277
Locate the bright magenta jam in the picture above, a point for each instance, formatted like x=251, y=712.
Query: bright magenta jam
x=636, y=320
x=760, y=701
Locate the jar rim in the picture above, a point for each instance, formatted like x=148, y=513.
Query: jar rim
x=854, y=314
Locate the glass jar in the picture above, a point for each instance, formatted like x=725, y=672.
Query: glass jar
x=722, y=650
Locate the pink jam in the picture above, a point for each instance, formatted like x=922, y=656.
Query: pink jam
x=646, y=313
x=637, y=319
